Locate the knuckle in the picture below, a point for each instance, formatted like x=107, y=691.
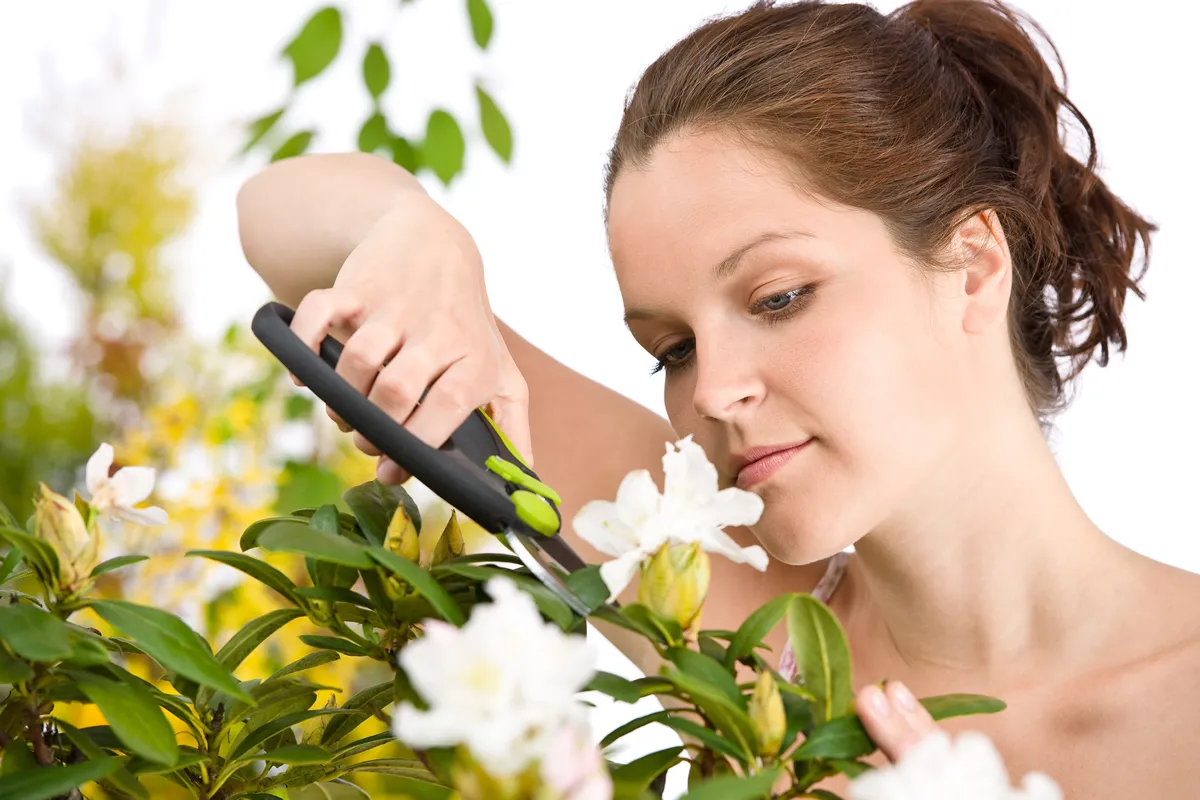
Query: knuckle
x=391, y=391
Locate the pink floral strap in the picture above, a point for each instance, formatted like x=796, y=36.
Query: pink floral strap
x=823, y=591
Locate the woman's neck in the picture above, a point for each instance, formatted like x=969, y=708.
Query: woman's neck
x=1000, y=575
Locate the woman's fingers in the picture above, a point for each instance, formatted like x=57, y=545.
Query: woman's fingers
x=893, y=717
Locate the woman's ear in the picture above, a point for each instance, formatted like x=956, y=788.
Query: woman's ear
x=986, y=270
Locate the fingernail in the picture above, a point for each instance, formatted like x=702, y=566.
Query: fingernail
x=904, y=698
x=877, y=702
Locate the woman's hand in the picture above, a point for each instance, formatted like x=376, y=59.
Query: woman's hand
x=413, y=298
x=894, y=718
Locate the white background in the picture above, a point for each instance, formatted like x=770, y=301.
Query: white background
x=560, y=71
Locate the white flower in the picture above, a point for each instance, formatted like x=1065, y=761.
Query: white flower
x=116, y=496
x=690, y=509
x=573, y=768
x=938, y=768
x=502, y=685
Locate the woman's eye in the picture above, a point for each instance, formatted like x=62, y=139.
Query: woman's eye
x=784, y=301
x=673, y=356
x=777, y=302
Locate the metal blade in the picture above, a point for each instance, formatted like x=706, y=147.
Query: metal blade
x=540, y=564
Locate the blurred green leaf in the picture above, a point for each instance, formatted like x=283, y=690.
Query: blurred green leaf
x=727, y=716
x=295, y=145
x=37, y=552
x=170, y=642
x=588, y=586
x=259, y=128
x=376, y=696
x=116, y=563
x=945, y=706
x=46, y=783
x=87, y=649
x=822, y=656
x=422, y=581
x=364, y=745
x=259, y=735
x=374, y=135
x=121, y=777
x=710, y=671
x=377, y=72
x=307, y=662
x=13, y=670
x=404, y=154
x=254, y=633
x=842, y=737
x=297, y=754
x=11, y=560
x=133, y=716
x=496, y=129
x=481, y=22
x=736, y=787
x=444, y=148
x=335, y=643
x=614, y=686
x=639, y=773
x=34, y=634
x=316, y=45
x=297, y=406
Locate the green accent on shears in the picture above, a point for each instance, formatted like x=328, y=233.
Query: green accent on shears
x=514, y=474
x=535, y=511
x=516, y=453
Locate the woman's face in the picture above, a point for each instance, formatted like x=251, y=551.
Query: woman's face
x=782, y=320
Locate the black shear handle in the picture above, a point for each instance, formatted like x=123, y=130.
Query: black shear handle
x=455, y=473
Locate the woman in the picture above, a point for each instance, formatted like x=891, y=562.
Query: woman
x=870, y=267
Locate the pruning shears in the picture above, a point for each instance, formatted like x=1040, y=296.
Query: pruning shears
x=477, y=471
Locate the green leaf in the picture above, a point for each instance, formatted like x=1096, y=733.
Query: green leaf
x=295, y=145
x=249, y=539
x=645, y=621
x=614, y=686
x=496, y=129
x=376, y=71
x=297, y=406
x=374, y=503
x=374, y=135
x=481, y=22
x=133, y=716
x=363, y=745
x=259, y=128
x=633, y=725
x=321, y=546
x=822, y=656
x=50, y=782
x=841, y=737
x=13, y=670
x=641, y=771
x=335, y=595
x=588, y=586
x=260, y=735
x=37, y=552
x=121, y=777
x=851, y=769
x=756, y=627
x=335, y=643
x=403, y=767
x=316, y=45
x=12, y=560
x=735, y=787
x=308, y=662
x=87, y=649
x=707, y=736
x=34, y=634
x=368, y=698
x=708, y=670
x=252, y=634
x=297, y=754
x=188, y=757
x=325, y=574
x=404, y=154
x=945, y=706
x=422, y=581
x=725, y=715
x=170, y=642
x=261, y=571
x=116, y=563
x=444, y=148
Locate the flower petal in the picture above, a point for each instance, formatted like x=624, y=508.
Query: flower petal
x=735, y=506
x=148, y=517
x=721, y=543
x=638, y=499
x=690, y=478
x=132, y=485
x=424, y=729
x=617, y=573
x=98, y=466
x=598, y=524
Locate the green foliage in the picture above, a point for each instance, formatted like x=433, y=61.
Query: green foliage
x=440, y=148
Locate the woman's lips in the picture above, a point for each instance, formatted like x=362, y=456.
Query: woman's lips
x=762, y=468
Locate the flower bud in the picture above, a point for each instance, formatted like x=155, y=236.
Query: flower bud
x=450, y=543
x=472, y=782
x=767, y=714
x=402, y=538
x=59, y=522
x=675, y=582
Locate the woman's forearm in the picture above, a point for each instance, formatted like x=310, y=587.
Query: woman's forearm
x=300, y=218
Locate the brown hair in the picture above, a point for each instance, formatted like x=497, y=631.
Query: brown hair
x=925, y=116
